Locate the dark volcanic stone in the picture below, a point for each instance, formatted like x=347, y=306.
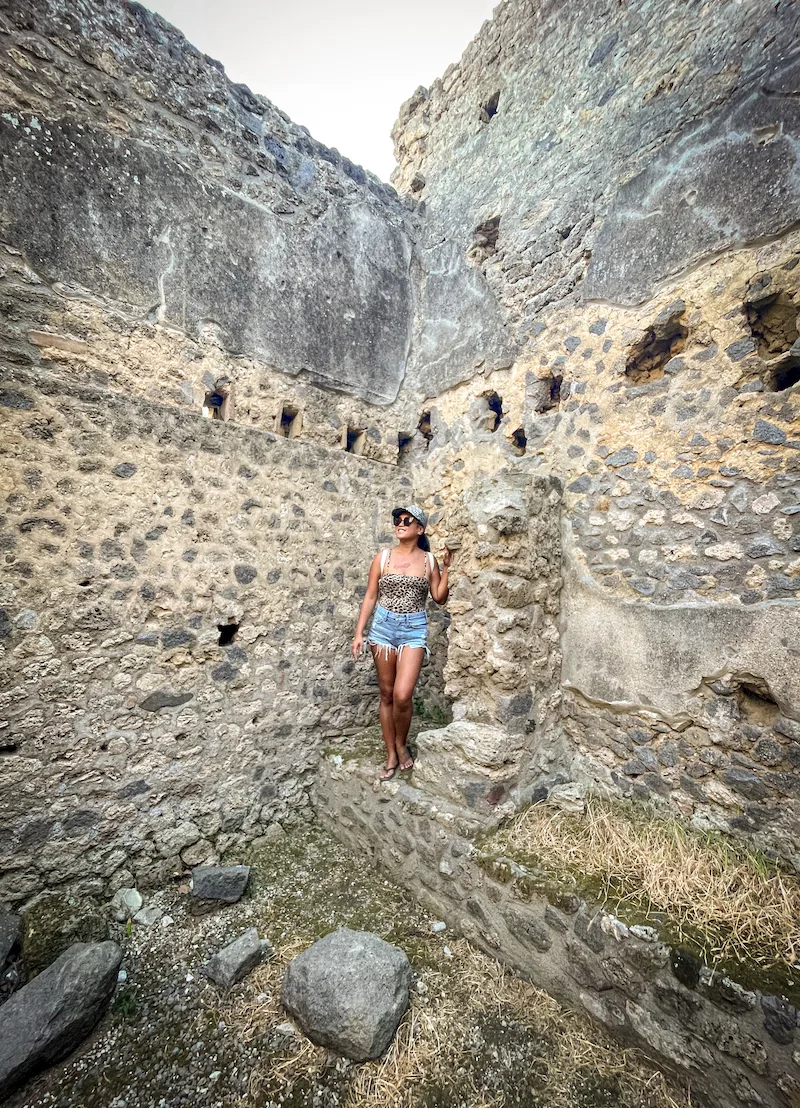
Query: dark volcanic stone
x=52, y=1014
x=237, y=959
x=245, y=574
x=745, y=783
x=213, y=886
x=164, y=699
x=780, y=1019
x=768, y=432
x=177, y=636
x=124, y=469
x=10, y=934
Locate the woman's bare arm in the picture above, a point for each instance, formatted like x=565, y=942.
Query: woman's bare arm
x=440, y=583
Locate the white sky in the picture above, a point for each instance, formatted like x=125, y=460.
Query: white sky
x=343, y=68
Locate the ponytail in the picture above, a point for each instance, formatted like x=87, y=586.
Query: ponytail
x=422, y=542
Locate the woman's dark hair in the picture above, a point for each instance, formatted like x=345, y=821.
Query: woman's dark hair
x=422, y=542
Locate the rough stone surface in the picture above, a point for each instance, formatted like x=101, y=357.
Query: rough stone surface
x=574, y=339
x=714, y=1031
x=237, y=959
x=49, y=1016
x=213, y=886
x=10, y=934
x=126, y=903
x=348, y=992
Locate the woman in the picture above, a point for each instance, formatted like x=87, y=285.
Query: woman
x=399, y=579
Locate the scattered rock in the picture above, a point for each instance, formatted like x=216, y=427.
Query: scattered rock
x=237, y=959
x=568, y=798
x=438, y=926
x=48, y=1017
x=146, y=917
x=348, y=992
x=213, y=886
x=125, y=904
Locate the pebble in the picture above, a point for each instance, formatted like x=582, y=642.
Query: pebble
x=122, y=975
x=439, y=926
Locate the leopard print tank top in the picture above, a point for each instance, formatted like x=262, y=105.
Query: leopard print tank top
x=403, y=592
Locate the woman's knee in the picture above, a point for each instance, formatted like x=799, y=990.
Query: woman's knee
x=387, y=694
x=403, y=699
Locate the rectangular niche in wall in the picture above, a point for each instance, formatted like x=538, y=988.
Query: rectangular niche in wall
x=353, y=439
x=289, y=421
x=218, y=404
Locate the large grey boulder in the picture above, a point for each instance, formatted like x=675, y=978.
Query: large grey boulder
x=237, y=959
x=213, y=886
x=52, y=1014
x=348, y=992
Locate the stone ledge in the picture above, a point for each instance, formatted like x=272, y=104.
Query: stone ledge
x=702, y=1026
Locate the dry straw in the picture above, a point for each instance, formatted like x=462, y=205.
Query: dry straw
x=736, y=904
x=433, y=1044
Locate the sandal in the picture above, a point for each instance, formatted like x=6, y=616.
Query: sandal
x=387, y=773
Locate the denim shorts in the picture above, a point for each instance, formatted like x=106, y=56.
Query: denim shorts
x=394, y=630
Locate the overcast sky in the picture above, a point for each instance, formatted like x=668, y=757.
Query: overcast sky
x=343, y=68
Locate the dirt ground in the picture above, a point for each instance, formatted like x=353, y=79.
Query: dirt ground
x=475, y=1036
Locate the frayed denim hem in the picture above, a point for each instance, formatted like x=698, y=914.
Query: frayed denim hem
x=386, y=647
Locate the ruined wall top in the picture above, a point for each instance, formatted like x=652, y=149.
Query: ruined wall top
x=593, y=155
x=173, y=191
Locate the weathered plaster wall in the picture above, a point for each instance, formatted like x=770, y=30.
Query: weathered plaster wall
x=630, y=198
x=152, y=180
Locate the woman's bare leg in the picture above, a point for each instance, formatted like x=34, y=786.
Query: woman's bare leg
x=408, y=666
x=386, y=666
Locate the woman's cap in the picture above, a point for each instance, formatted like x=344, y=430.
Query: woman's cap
x=415, y=511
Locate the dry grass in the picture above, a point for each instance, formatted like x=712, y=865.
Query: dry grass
x=436, y=1053
x=735, y=903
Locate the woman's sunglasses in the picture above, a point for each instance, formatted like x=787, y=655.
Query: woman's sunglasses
x=406, y=521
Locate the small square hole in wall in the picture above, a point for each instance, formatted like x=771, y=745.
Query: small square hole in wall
x=495, y=405
x=489, y=108
x=289, y=422
x=227, y=633
x=425, y=429
x=218, y=404
x=519, y=440
x=353, y=439
x=404, y=441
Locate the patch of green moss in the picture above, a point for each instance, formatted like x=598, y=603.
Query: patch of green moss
x=52, y=924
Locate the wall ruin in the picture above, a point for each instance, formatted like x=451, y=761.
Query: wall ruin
x=228, y=353
x=179, y=592
x=624, y=185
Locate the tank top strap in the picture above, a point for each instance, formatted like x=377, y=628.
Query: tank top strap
x=384, y=560
x=429, y=563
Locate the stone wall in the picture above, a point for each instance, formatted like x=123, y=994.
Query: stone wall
x=622, y=187
x=170, y=189
x=734, y=1043
x=177, y=609
x=180, y=592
